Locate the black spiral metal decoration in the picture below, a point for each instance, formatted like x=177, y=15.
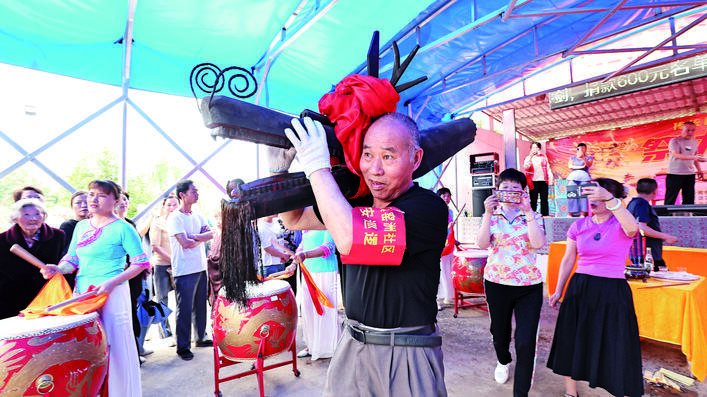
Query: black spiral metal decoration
x=208, y=78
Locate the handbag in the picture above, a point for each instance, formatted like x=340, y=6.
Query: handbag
x=151, y=312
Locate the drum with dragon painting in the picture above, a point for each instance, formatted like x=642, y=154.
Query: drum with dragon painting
x=468, y=270
x=52, y=356
x=271, y=313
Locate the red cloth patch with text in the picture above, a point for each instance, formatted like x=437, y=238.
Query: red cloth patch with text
x=378, y=237
x=355, y=101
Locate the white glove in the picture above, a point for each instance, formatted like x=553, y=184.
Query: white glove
x=279, y=159
x=312, y=149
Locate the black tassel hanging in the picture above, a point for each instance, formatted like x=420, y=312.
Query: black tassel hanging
x=238, y=249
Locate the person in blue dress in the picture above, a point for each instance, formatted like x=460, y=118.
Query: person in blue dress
x=97, y=254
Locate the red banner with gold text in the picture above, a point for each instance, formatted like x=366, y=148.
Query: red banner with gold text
x=629, y=154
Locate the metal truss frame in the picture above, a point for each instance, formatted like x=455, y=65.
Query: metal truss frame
x=553, y=14
x=665, y=18
x=572, y=51
x=125, y=100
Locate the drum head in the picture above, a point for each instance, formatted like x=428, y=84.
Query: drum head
x=20, y=327
x=260, y=290
x=472, y=253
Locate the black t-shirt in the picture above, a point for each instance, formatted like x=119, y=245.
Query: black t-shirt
x=401, y=296
x=68, y=228
x=644, y=213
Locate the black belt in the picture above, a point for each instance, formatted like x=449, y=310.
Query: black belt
x=418, y=338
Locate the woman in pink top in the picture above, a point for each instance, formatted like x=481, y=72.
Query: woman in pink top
x=596, y=336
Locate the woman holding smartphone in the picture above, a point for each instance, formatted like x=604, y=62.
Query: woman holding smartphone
x=512, y=282
x=596, y=336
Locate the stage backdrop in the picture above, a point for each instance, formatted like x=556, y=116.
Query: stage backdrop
x=632, y=153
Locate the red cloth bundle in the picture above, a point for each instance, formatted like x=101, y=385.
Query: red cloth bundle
x=356, y=100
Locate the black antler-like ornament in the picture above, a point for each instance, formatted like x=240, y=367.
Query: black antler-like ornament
x=373, y=66
x=373, y=60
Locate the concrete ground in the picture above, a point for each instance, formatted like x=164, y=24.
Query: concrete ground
x=468, y=356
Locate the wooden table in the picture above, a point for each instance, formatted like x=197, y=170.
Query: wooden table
x=673, y=314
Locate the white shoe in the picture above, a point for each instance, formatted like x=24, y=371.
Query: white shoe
x=501, y=373
x=303, y=353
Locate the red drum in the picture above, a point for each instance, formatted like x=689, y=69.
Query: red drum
x=55, y=355
x=468, y=270
x=271, y=313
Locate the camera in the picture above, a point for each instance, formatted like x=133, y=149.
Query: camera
x=508, y=196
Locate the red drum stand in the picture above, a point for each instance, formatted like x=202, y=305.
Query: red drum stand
x=460, y=301
x=263, y=328
x=257, y=368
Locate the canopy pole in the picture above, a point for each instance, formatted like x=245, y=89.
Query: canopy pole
x=125, y=83
x=510, y=8
x=424, y=105
x=658, y=21
x=592, y=30
x=575, y=10
x=662, y=43
x=509, y=139
x=124, y=143
x=456, y=179
x=289, y=41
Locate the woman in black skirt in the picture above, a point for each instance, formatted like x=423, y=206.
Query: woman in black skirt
x=596, y=336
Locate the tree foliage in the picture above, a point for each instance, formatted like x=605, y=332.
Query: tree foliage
x=143, y=188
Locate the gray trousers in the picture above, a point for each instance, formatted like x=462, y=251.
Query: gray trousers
x=359, y=369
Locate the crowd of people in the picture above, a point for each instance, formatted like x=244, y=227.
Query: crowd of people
x=390, y=332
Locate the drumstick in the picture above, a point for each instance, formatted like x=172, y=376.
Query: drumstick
x=69, y=301
x=664, y=285
x=459, y=214
x=22, y=253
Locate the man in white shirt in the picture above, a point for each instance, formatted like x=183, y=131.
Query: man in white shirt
x=683, y=164
x=187, y=231
x=274, y=254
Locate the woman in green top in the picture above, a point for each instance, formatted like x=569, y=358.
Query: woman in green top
x=97, y=251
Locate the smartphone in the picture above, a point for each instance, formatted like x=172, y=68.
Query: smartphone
x=508, y=196
x=575, y=191
x=581, y=188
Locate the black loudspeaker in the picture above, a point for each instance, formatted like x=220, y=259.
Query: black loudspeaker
x=478, y=197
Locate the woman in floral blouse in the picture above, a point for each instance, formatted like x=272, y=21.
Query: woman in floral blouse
x=512, y=282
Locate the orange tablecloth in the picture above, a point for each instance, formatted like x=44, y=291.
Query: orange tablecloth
x=676, y=314
x=694, y=259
